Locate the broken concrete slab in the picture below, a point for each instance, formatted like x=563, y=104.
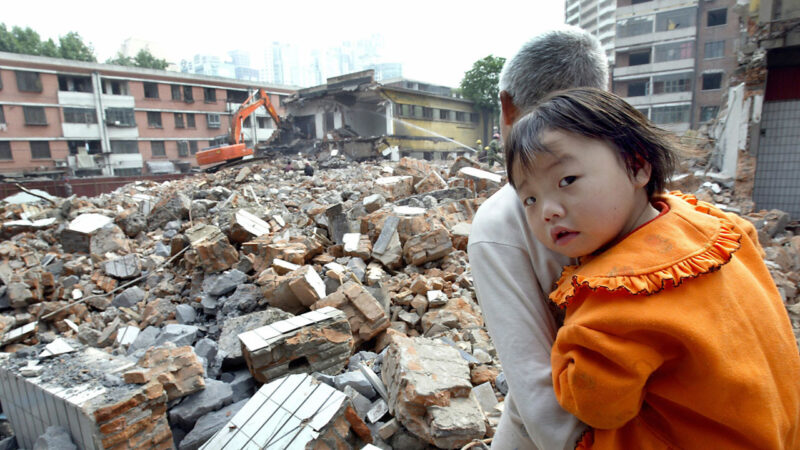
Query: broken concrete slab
x=439, y=410
x=366, y=316
x=229, y=347
x=294, y=292
x=246, y=226
x=208, y=424
x=125, y=267
x=211, y=249
x=214, y=396
x=129, y=297
x=295, y=410
x=427, y=247
x=317, y=341
x=76, y=238
x=177, y=369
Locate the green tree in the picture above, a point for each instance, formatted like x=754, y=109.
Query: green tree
x=481, y=85
x=27, y=41
x=142, y=59
x=71, y=46
x=49, y=48
x=146, y=59
x=7, y=41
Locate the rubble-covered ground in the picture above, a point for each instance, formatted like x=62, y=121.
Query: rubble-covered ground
x=202, y=289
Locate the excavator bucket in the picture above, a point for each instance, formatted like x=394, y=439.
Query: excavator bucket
x=222, y=154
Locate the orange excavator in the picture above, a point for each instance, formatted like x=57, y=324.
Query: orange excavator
x=237, y=149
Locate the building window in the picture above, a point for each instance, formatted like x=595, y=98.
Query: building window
x=708, y=113
x=714, y=49
x=28, y=81
x=444, y=114
x=124, y=147
x=666, y=84
x=461, y=116
x=427, y=113
x=645, y=111
x=120, y=117
x=150, y=90
x=40, y=150
x=154, y=119
x=193, y=147
x=71, y=83
x=190, y=123
x=634, y=27
x=670, y=114
x=34, y=115
x=183, y=149
x=5, y=151
x=411, y=110
x=637, y=88
x=80, y=115
x=639, y=58
x=398, y=109
x=712, y=81
x=474, y=117
x=676, y=19
x=179, y=120
x=157, y=148
x=263, y=122
x=717, y=17
x=2, y=116
x=176, y=92
x=128, y=172
x=213, y=120
x=674, y=52
x=209, y=95
x=115, y=87
x=329, y=121
x=636, y=2
x=187, y=94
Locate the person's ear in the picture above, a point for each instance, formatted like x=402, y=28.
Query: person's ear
x=509, y=109
x=642, y=172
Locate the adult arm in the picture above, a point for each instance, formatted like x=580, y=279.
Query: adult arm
x=522, y=329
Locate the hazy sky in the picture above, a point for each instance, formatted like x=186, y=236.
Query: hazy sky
x=436, y=41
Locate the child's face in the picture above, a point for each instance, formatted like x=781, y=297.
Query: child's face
x=579, y=197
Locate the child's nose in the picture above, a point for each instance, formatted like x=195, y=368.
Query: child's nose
x=551, y=210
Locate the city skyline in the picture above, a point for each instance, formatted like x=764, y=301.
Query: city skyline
x=435, y=42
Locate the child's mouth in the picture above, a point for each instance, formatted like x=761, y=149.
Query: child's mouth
x=563, y=237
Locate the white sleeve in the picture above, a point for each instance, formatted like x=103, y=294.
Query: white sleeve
x=523, y=330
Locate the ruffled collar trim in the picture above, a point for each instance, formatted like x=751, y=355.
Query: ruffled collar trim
x=685, y=243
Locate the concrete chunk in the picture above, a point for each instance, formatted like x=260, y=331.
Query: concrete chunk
x=366, y=316
x=215, y=395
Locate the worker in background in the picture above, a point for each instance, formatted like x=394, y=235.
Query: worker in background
x=495, y=151
x=479, y=152
x=308, y=170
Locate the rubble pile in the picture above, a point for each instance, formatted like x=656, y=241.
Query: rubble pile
x=261, y=305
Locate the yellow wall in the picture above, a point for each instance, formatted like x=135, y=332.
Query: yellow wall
x=465, y=133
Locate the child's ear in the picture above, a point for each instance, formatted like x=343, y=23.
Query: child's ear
x=641, y=176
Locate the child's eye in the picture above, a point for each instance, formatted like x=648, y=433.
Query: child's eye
x=529, y=201
x=566, y=181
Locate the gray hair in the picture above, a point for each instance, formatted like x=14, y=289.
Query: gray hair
x=558, y=59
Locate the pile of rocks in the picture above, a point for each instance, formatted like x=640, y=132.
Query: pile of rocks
x=200, y=290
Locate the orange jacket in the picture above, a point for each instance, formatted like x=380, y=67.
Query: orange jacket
x=709, y=361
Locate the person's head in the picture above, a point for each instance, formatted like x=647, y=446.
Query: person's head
x=585, y=165
x=558, y=59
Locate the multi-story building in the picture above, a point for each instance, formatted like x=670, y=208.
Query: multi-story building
x=673, y=58
x=596, y=17
x=69, y=117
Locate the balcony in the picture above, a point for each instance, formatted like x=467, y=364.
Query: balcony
x=661, y=36
x=71, y=98
x=660, y=67
x=651, y=7
x=656, y=99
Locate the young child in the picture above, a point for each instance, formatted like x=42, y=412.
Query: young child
x=675, y=335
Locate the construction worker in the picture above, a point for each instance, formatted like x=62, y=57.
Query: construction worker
x=479, y=152
x=495, y=151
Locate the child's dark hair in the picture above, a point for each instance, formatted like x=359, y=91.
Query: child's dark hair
x=595, y=114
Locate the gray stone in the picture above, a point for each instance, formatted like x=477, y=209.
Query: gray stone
x=229, y=347
x=145, y=339
x=357, y=381
x=185, y=314
x=485, y=396
x=210, y=305
x=176, y=207
x=373, y=202
x=109, y=239
x=225, y=282
x=377, y=410
x=429, y=201
x=337, y=223
x=69, y=281
x=177, y=334
x=362, y=356
x=501, y=383
x=127, y=266
x=209, y=424
x=133, y=224
x=163, y=250
x=206, y=349
x=410, y=318
x=358, y=267
x=129, y=297
x=242, y=383
x=216, y=395
x=54, y=438
x=173, y=225
x=361, y=404
x=244, y=300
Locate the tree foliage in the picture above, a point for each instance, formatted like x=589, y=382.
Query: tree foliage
x=481, y=83
x=27, y=41
x=142, y=59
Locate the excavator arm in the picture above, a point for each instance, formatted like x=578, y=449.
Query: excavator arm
x=257, y=99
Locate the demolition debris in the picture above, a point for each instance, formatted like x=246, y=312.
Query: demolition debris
x=261, y=307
